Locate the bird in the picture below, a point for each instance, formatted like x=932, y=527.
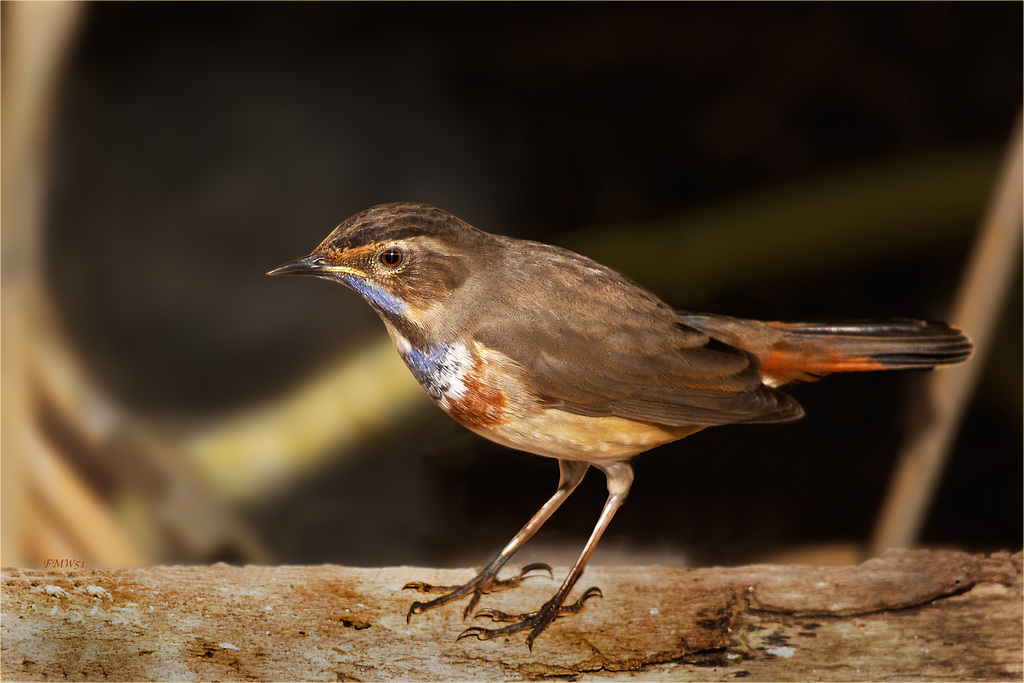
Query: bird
x=546, y=351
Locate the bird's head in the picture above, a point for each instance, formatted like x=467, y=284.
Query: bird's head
x=403, y=258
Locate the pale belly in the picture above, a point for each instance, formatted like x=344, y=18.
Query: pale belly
x=558, y=434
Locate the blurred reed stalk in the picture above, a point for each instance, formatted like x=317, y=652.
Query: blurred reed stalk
x=986, y=283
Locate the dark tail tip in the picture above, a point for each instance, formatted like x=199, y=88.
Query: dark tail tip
x=900, y=343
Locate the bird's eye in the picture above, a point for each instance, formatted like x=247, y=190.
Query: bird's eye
x=391, y=258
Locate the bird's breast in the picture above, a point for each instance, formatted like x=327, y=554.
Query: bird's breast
x=462, y=379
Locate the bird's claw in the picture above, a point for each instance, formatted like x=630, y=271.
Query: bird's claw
x=487, y=586
x=536, y=621
x=424, y=587
x=578, y=605
x=517, y=578
x=484, y=582
x=498, y=615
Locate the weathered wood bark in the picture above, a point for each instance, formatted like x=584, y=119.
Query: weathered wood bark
x=907, y=615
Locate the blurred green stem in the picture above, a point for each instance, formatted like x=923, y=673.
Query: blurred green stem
x=827, y=220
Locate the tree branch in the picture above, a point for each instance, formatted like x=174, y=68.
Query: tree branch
x=906, y=615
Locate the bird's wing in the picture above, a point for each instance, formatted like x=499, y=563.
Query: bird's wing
x=626, y=353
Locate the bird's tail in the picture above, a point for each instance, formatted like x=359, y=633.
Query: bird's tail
x=796, y=352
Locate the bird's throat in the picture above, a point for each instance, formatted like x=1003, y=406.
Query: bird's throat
x=381, y=299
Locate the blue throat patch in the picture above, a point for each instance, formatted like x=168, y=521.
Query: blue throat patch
x=433, y=367
x=376, y=296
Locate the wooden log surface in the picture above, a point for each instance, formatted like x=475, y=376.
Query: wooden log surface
x=907, y=615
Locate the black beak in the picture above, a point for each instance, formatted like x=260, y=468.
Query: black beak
x=307, y=265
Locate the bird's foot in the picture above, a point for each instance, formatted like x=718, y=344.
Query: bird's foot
x=535, y=621
x=486, y=581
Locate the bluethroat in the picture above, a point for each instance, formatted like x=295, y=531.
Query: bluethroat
x=546, y=351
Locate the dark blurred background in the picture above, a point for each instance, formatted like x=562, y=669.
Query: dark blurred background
x=796, y=161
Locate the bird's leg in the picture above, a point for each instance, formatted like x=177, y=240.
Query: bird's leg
x=620, y=477
x=570, y=475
